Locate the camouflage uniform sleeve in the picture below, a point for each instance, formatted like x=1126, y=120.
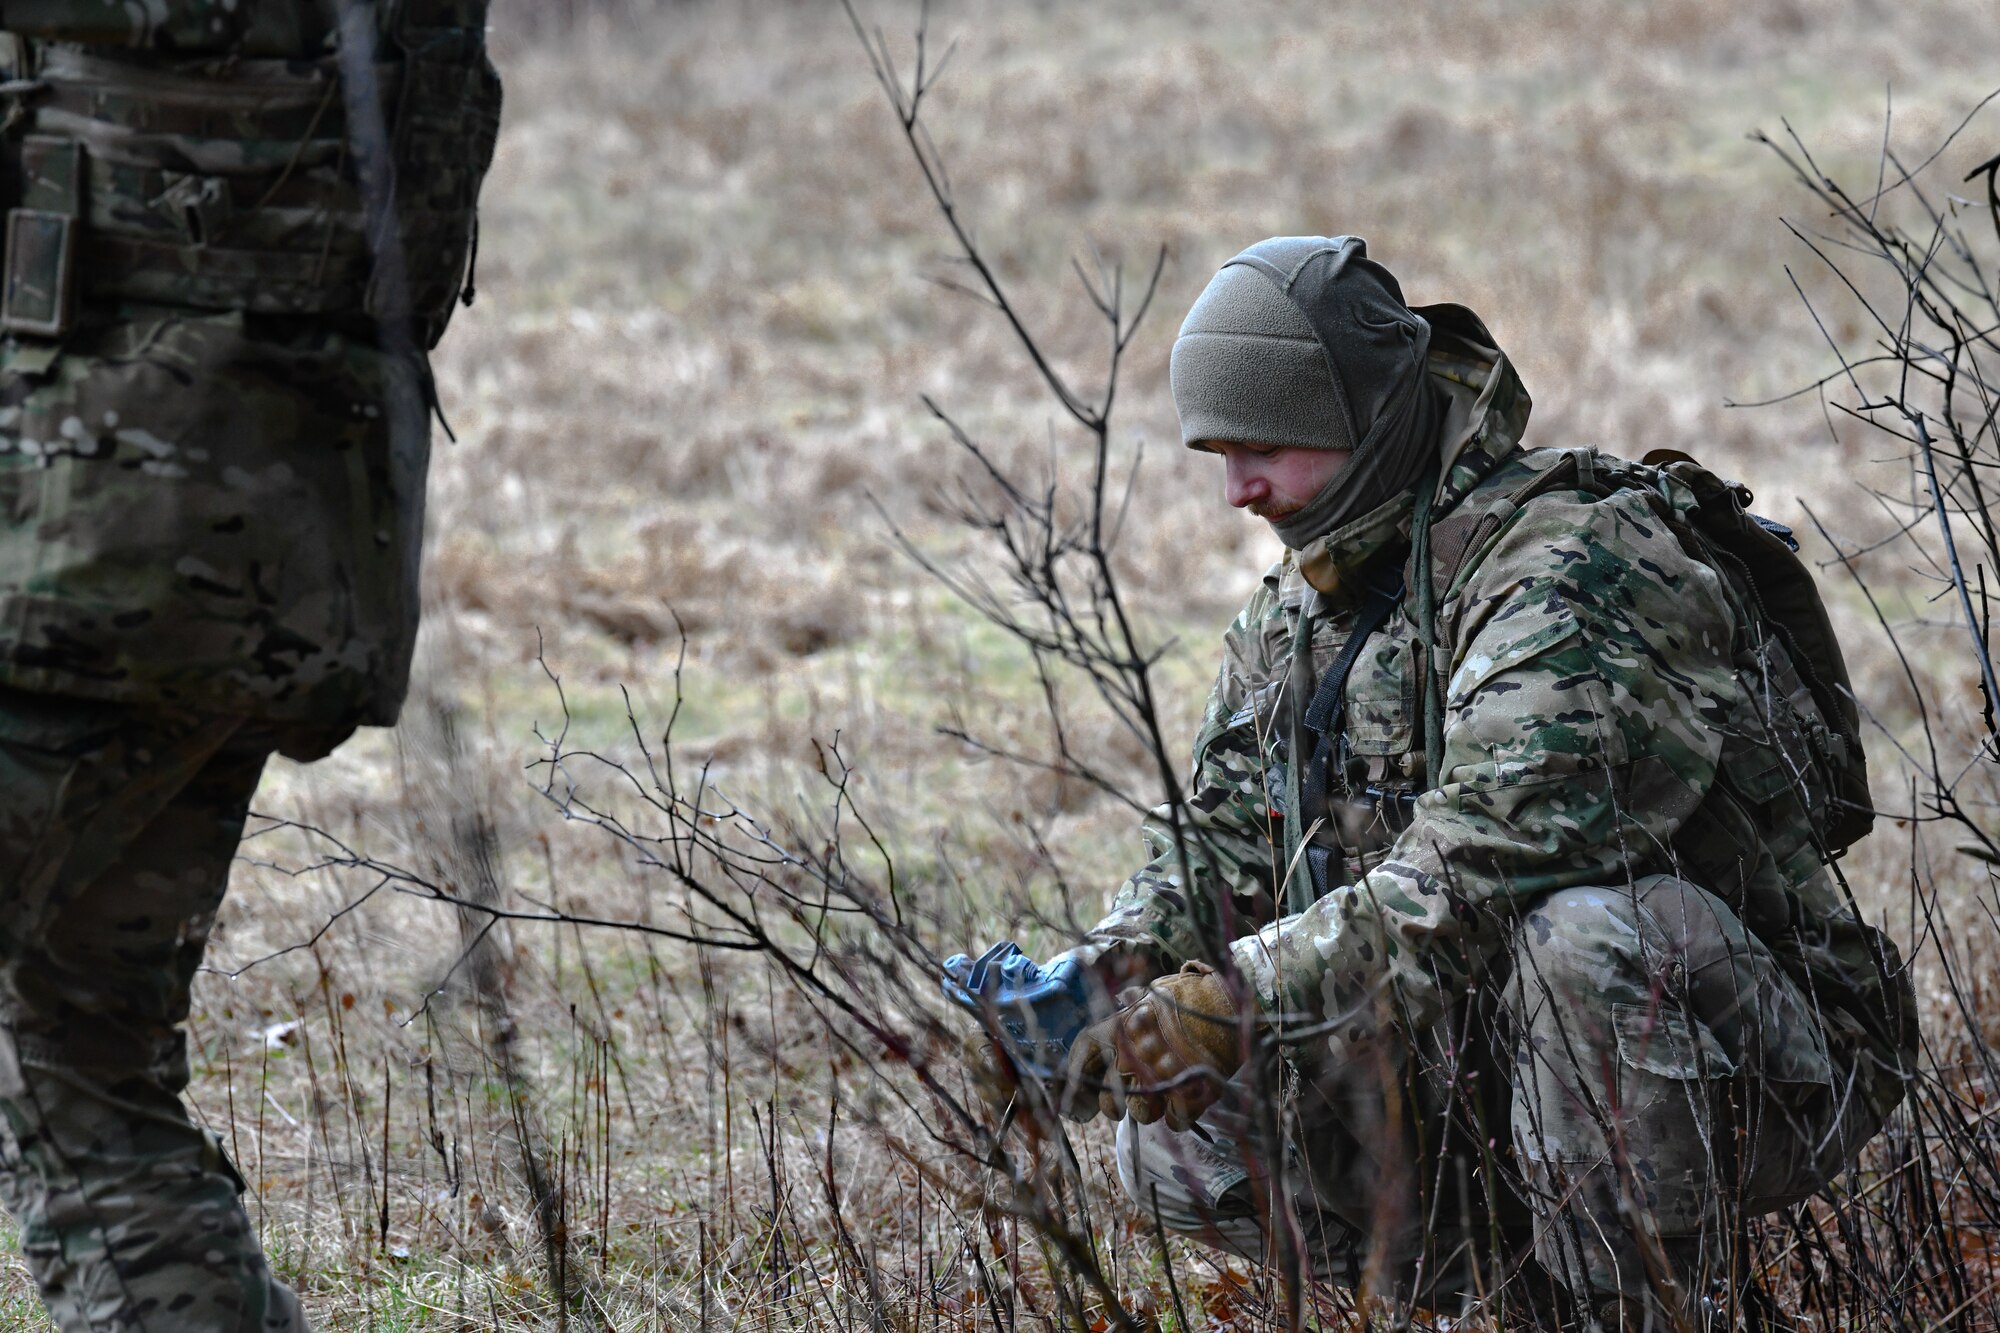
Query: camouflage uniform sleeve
x=1164, y=912
x=256, y=27
x=1588, y=684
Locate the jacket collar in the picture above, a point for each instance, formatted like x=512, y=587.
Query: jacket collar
x=1483, y=424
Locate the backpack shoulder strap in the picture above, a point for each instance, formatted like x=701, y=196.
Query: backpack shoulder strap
x=1467, y=528
x=1320, y=726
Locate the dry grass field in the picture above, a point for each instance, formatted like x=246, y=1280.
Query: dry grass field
x=688, y=418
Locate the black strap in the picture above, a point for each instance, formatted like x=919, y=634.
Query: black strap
x=1329, y=702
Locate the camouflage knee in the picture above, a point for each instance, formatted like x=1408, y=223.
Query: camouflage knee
x=1208, y=1185
x=1651, y=1032
x=1612, y=1116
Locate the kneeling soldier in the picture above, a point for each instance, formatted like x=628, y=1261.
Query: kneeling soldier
x=1507, y=855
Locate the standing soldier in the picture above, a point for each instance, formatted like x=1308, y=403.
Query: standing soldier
x=234, y=226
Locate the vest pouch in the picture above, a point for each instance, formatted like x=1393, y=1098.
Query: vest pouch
x=1382, y=703
x=41, y=259
x=38, y=298
x=1370, y=802
x=446, y=125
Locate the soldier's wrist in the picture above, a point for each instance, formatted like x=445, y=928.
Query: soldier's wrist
x=1252, y=955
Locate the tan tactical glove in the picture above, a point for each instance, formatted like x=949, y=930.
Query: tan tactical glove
x=1166, y=1054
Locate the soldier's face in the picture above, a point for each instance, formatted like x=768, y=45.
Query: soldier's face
x=1275, y=481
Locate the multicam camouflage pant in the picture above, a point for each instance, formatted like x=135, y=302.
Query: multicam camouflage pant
x=117, y=828
x=1661, y=1070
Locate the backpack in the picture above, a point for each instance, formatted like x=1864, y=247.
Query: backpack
x=1773, y=592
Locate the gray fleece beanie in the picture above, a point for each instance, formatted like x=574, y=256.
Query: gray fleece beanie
x=1248, y=366
x=1305, y=341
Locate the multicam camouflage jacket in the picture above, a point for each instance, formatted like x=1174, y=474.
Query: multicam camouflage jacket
x=212, y=457
x=1604, y=718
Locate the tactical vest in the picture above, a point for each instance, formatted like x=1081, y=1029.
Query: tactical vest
x=232, y=183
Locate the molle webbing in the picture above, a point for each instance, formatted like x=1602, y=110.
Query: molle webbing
x=224, y=189
x=230, y=184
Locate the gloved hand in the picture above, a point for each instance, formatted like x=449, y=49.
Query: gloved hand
x=1165, y=1054
x=1029, y=1013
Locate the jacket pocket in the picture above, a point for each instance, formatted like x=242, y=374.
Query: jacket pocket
x=1661, y=1040
x=1382, y=696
